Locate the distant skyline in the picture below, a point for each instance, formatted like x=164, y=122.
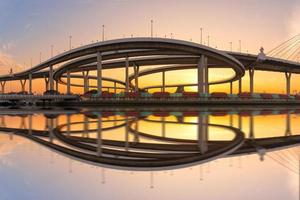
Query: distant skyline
x=32, y=27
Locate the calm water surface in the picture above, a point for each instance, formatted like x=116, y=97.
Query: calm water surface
x=149, y=153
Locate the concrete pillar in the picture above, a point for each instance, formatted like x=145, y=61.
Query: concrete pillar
x=136, y=130
x=30, y=83
x=85, y=75
x=68, y=82
x=51, y=135
x=251, y=74
x=231, y=87
x=240, y=85
x=99, y=73
x=288, y=82
x=3, y=86
x=23, y=82
x=56, y=85
x=115, y=87
x=51, y=82
x=200, y=74
x=206, y=85
x=136, y=77
x=127, y=74
x=46, y=83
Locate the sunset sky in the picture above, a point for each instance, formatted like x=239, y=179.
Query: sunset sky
x=32, y=26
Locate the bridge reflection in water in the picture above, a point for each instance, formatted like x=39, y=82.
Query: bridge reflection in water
x=157, y=139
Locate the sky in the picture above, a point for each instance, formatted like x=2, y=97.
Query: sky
x=29, y=28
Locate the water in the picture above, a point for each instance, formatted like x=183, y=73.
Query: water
x=242, y=153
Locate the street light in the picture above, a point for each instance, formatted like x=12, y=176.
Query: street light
x=103, y=27
x=70, y=42
x=201, y=31
x=151, y=28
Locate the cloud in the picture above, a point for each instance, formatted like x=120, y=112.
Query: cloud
x=7, y=62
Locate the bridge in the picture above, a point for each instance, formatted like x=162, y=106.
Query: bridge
x=165, y=55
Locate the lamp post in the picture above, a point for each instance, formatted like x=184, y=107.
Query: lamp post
x=70, y=42
x=151, y=28
x=103, y=27
x=201, y=31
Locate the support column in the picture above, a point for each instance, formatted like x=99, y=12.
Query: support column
x=51, y=77
x=288, y=82
x=240, y=85
x=251, y=74
x=30, y=83
x=200, y=70
x=46, y=83
x=85, y=75
x=56, y=85
x=23, y=82
x=127, y=74
x=163, y=81
x=99, y=73
x=30, y=124
x=3, y=86
x=206, y=85
x=136, y=77
x=68, y=82
x=231, y=87
x=115, y=87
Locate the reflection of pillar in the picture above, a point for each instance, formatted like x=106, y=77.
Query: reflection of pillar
x=163, y=88
x=240, y=85
x=202, y=133
x=68, y=124
x=251, y=74
x=136, y=77
x=2, y=86
x=99, y=135
x=231, y=120
x=2, y=121
x=231, y=87
x=51, y=136
x=126, y=134
x=99, y=73
x=85, y=126
x=288, y=82
x=127, y=74
x=136, y=131
x=70, y=166
x=68, y=82
x=251, y=129
x=30, y=124
x=288, y=125
x=163, y=128
x=23, y=124
x=151, y=179
x=240, y=122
